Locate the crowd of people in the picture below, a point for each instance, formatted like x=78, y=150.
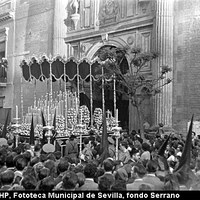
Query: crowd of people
x=135, y=167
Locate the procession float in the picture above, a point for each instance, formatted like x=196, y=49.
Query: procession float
x=60, y=112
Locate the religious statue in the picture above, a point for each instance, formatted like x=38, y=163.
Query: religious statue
x=75, y=6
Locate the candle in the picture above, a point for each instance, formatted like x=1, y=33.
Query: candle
x=16, y=112
x=81, y=115
x=47, y=114
x=117, y=115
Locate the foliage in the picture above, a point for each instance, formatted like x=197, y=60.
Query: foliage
x=136, y=85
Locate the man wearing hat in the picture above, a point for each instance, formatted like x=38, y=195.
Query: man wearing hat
x=71, y=149
x=111, y=147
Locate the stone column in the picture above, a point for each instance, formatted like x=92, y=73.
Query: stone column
x=60, y=29
x=164, y=45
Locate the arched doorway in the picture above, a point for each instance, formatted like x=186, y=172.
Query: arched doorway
x=122, y=103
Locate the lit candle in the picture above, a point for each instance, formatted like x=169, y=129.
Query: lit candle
x=16, y=112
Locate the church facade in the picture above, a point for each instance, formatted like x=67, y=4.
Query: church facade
x=79, y=28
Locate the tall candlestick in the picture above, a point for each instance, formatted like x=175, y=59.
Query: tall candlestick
x=16, y=112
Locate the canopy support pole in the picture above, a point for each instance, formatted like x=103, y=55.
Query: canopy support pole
x=115, y=98
x=91, y=99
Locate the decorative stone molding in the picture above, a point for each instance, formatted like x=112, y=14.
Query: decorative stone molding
x=144, y=5
x=109, y=12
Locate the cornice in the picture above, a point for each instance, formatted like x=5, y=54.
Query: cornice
x=82, y=34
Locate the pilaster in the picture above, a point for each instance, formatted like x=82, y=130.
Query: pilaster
x=164, y=46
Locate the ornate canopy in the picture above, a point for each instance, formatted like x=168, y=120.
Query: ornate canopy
x=59, y=67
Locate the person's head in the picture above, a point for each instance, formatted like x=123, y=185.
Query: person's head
x=63, y=166
x=90, y=170
x=43, y=157
x=22, y=139
x=145, y=147
x=128, y=168
x=2, y=160
x=139, y=170
x=135, y=154
x=123, y=145
x=10, y=143
x=81, y=179
x=7, y=177
x=179, y=148
x=100, y=172
x=47, y=184
x=121, y=174
x=79, y=168
x=50, y=164
x=21, y=163
x=43, y=173
x=108, y=165
x=57, y=155
x=51, y=156
x=29, y=170
x=87, y=142
x=37, y=167
x=29, y=182
x=104, y=184
x=172, y=151
x=72, y=137
x=18, y=150
x=27, y=147
x=151, y=166
x=70, y=180
x=34, y=161
x=37, y=148
x=10, y=161
x=27, y=156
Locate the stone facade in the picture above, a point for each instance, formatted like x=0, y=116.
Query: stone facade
x=115, y=23
x=186, y=85
x=37, y=27
x=6, y=39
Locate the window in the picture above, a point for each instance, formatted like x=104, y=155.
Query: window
x=3, y=62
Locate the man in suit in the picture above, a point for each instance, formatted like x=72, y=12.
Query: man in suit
x=139, y=172
x=89, y=172
x=7, y=178
x=151, y=177
x=108, y=167
x=111, y=147
x=71, y=149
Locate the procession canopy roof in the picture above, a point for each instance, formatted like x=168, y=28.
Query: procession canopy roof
x=59, y=67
